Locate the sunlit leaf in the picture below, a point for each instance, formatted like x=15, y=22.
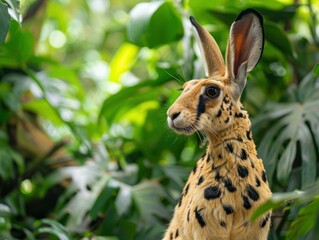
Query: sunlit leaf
x=19, y=44
x=14, y=9
x=154, y=23
x=113, y=108
x=306, y=220
x=42, y=108
x=122, y=60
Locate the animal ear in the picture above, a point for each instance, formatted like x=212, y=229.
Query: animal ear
x=213, y=59
x=244, y=49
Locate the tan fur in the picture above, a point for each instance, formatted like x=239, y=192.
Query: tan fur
x=228, y=183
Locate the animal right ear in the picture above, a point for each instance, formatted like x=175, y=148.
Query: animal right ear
x=244, y=49
x=213, y=59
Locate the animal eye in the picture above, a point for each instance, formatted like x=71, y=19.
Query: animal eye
x=212, y=91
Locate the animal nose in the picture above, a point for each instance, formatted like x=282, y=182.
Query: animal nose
x=175, y=115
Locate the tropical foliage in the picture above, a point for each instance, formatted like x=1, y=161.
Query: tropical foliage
x=84, y=86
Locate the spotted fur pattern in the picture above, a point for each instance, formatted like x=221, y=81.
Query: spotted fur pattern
x=229, y=182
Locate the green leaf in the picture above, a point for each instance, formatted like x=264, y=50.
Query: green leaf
x=122, y=60
x=60, y=235
x=285, y=162
x=20, y=44
x=129, y=229
x=5, y=214
x=305, y=221
x=154, y=23
x=102, y=200
x=113, y=107
x=276, y=201
x=14, y=9
x=308, y=156
x=4, y=21
x=277, y=37
x=44, y=109
x=316, y=70
x=147, y=197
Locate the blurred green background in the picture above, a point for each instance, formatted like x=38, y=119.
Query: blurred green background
x=85, y=152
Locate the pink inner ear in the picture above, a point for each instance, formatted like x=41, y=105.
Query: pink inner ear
x=243, y=41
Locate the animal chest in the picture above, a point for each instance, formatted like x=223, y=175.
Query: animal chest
x=221, y=193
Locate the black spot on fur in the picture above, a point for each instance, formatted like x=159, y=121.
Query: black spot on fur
x=188, y=215
x=252, y=164
x=219, y=113
x=252, y=192
x=248, y=134
x=195, y=168
x=180, y=200
x=229, y=147
x=263, y=176
x=223, y=224
x=199, y=217
x=243, y=154
x=242, y=171
x=227, y=120
x=176, y=233
x=217, y=176
x=226, y=99
x=264, y=221
x=229, y=185
x=246, y=204
x=228, y=209
x=200, y=106
x=257, y=182
x=200, y=180
x=220, y=156
x=214, y=167
x=171, y=236
x=239, y=138
x=240, y=115
x=212, y=192
x=186, y=189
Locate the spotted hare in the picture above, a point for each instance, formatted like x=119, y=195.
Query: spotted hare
x=229, y=182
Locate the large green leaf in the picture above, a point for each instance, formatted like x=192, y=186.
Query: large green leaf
x=277, y=37
x=293, y=127
x=113, y=107
x=147, y=197
x=306, y=220
x=18, y=48
x=154, y=23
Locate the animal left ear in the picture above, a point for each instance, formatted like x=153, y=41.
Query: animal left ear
x=212, y=56
x=244, y=49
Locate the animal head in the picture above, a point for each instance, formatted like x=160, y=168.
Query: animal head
x=211, y=104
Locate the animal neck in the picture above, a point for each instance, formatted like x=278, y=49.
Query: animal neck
x=238, y=132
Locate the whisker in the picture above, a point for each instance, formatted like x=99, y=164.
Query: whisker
x=174, y=77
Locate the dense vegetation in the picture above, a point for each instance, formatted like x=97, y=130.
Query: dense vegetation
x=84, y=86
